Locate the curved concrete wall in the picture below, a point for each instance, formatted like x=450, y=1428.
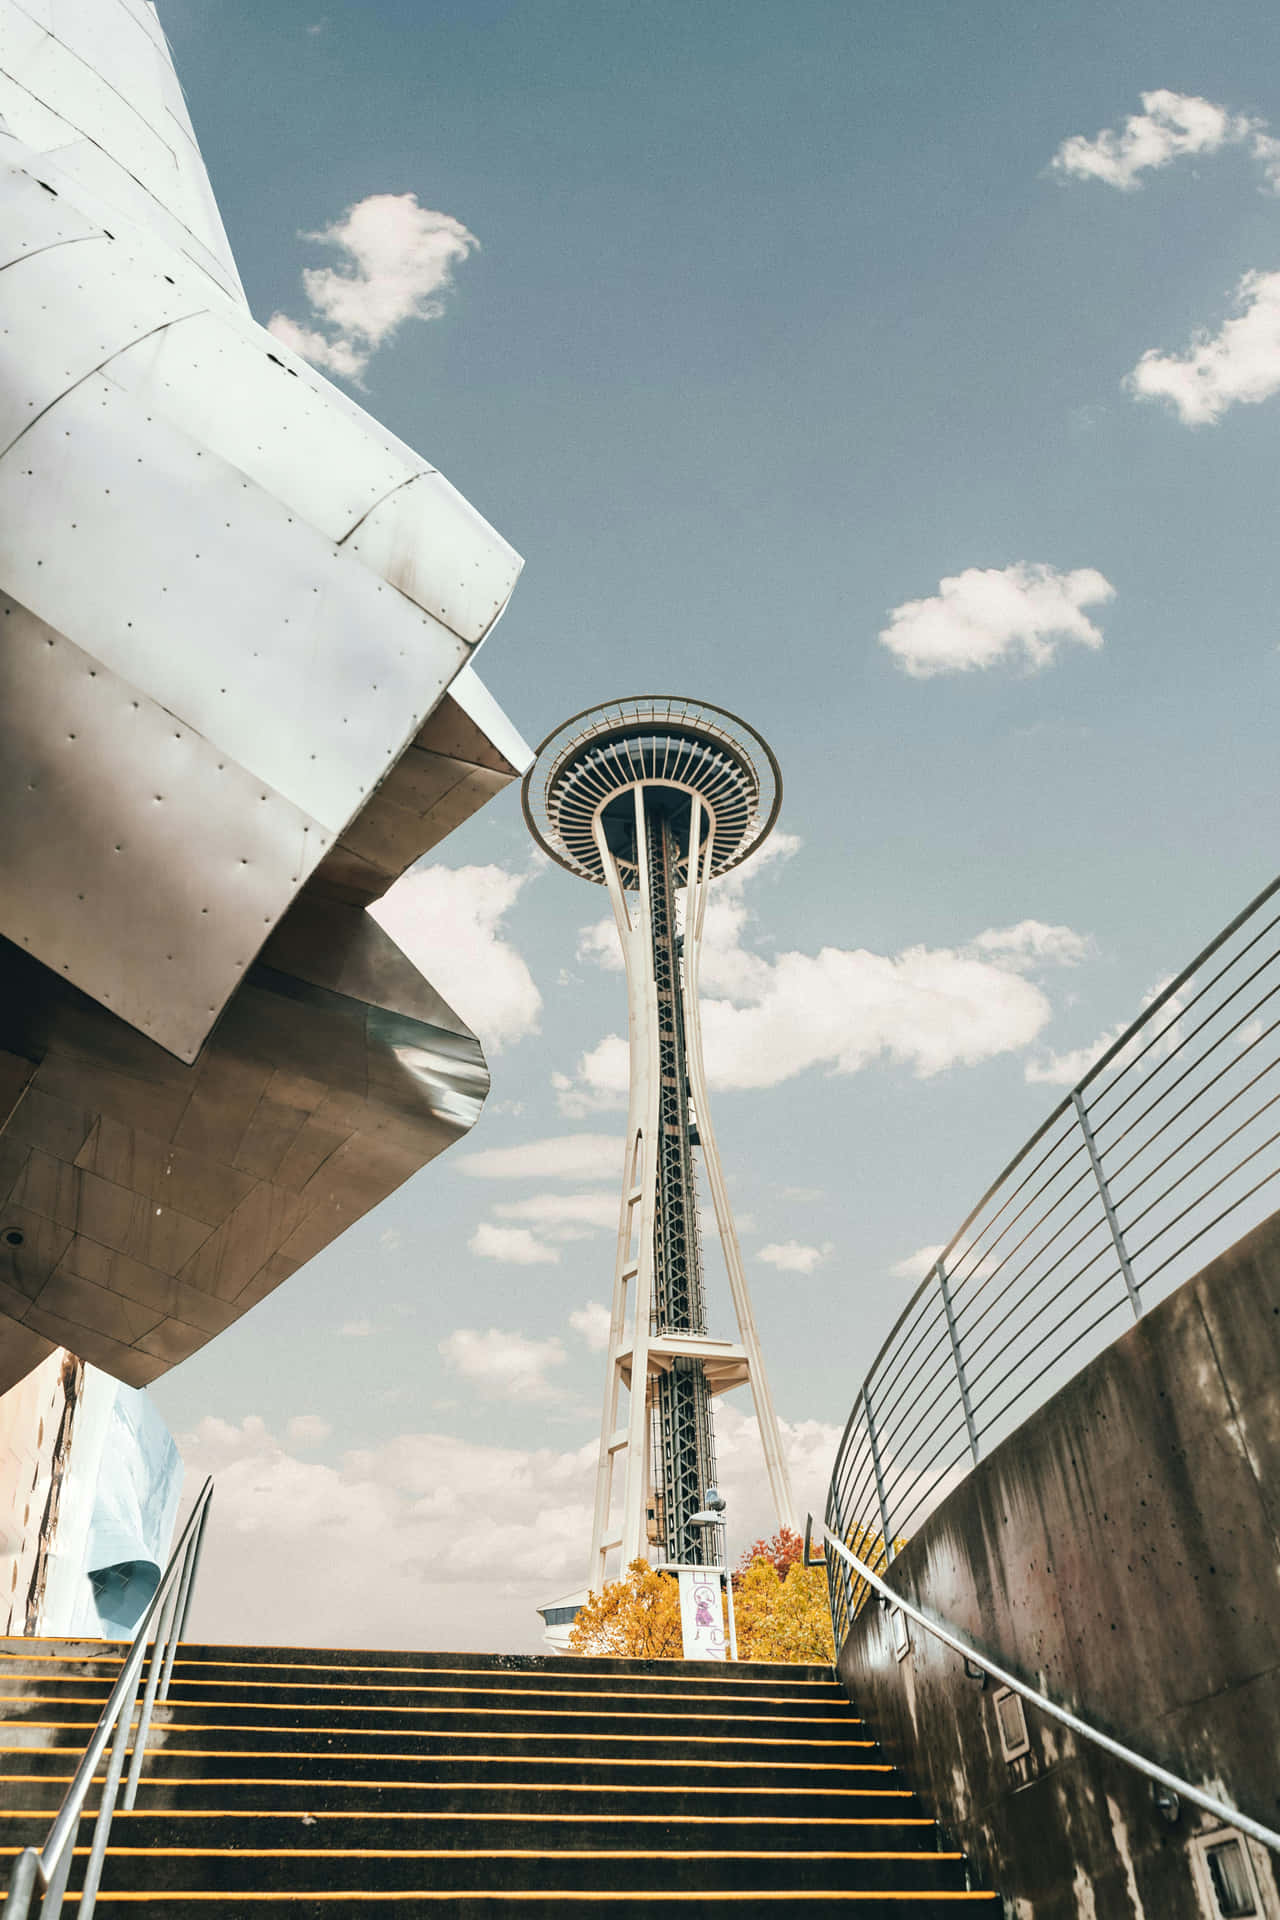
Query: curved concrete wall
x=1121, y=1552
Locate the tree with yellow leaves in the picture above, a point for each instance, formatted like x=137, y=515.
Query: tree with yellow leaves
x=782, y=1618
x=637, y=1618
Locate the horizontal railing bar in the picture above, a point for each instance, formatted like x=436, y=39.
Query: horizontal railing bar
x=929, y=1496
x=1106, y=1281
x=1186, y=1107
x=1207, y=1802
x=1089, y=1203
x=984, y=1280
x=900, y=1488
x=1200, y=993
x=1095, y=1226
x=1034, y=1346
x=889, y=1420
x=1119, y=1305
x=1199, y=1061
x=881, y=1390
x=1204, y=1160
x=1069, y=1139
x=1201, y=1198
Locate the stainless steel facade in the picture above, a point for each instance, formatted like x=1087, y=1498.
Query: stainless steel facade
x=236, y=617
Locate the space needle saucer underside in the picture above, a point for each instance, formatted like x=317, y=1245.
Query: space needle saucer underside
x=592, y=763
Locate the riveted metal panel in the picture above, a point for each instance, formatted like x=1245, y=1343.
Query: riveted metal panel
x=73, y=89
x=65, y=310
x=136, y=860
x=193, y=584
x=28, y=120
x=31, y=217
x=111, y=197
x=224, y=382
x=433, y=545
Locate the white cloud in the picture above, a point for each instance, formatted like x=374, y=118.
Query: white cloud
x=1169, y=126
x=1031, y=944
x=1066, y=1069
x=448, y=920
x=601, y=1085
x=516, y=1246
x=398, y=261
x=356, y=1329
x=1238, y=366
x=928, y=1009
x=557, y=1212
x=441, y=1541
x=308, y=1429
x=791, y=1256
x=989, y=614
x=566, y=1156
x=593, y=1322
x=767, y=1019
x=916, y=1264
x=508, y=1366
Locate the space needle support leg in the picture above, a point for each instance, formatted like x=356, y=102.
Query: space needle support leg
x=633, y=1266
x=766, y=1418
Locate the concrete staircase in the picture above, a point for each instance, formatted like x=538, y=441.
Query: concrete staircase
x=298, y=1782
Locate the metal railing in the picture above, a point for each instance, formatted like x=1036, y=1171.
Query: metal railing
x=1117, y=1198
x=43, y=1872
x=1171, y=1782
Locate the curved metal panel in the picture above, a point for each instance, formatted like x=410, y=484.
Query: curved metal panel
x=226, y=384
x=135, y=859
x=105, y=73
x=33, y=216
x=66, y=309
x=434, y=547
x=157, y=538
x=156, y=1203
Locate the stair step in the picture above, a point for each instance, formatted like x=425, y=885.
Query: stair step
x=559, y=1722
x=418, y=1770
x=678, y=1751
x=887, y=1812
x=417, y=1696
x=660, y=1871
x=739, y=1686
x=812, y=1903
x=489, y=1830
x=308, y=1782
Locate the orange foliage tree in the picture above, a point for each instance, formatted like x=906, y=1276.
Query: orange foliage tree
x=637, y=1618
x=780, y=1605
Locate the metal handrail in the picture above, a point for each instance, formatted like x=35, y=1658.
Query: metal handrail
x=1166, y=1136
x=47, y=1869
x=1207, y=1802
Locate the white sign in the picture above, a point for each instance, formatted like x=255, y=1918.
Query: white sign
x=702, y=1615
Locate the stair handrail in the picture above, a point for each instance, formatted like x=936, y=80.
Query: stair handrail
x=1172, y=1782
x=46, y=1869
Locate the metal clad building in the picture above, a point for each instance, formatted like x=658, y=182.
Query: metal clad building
x=237, y=617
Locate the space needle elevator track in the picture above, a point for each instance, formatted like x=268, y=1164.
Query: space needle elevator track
x=653, y=798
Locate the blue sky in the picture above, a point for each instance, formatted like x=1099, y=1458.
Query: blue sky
x=780, y=317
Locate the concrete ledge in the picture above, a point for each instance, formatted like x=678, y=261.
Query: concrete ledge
x=1121, y=1552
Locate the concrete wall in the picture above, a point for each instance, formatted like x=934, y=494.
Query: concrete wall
x=1121, y=1552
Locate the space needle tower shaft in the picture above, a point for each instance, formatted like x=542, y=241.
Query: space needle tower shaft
x=653, y=798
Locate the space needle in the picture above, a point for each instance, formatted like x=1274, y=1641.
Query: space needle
x=654, y=797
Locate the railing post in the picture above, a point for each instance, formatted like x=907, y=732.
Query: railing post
x=1131, y=1284
x=958, y=1358
x=885, y=1533
x=846, y=1585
